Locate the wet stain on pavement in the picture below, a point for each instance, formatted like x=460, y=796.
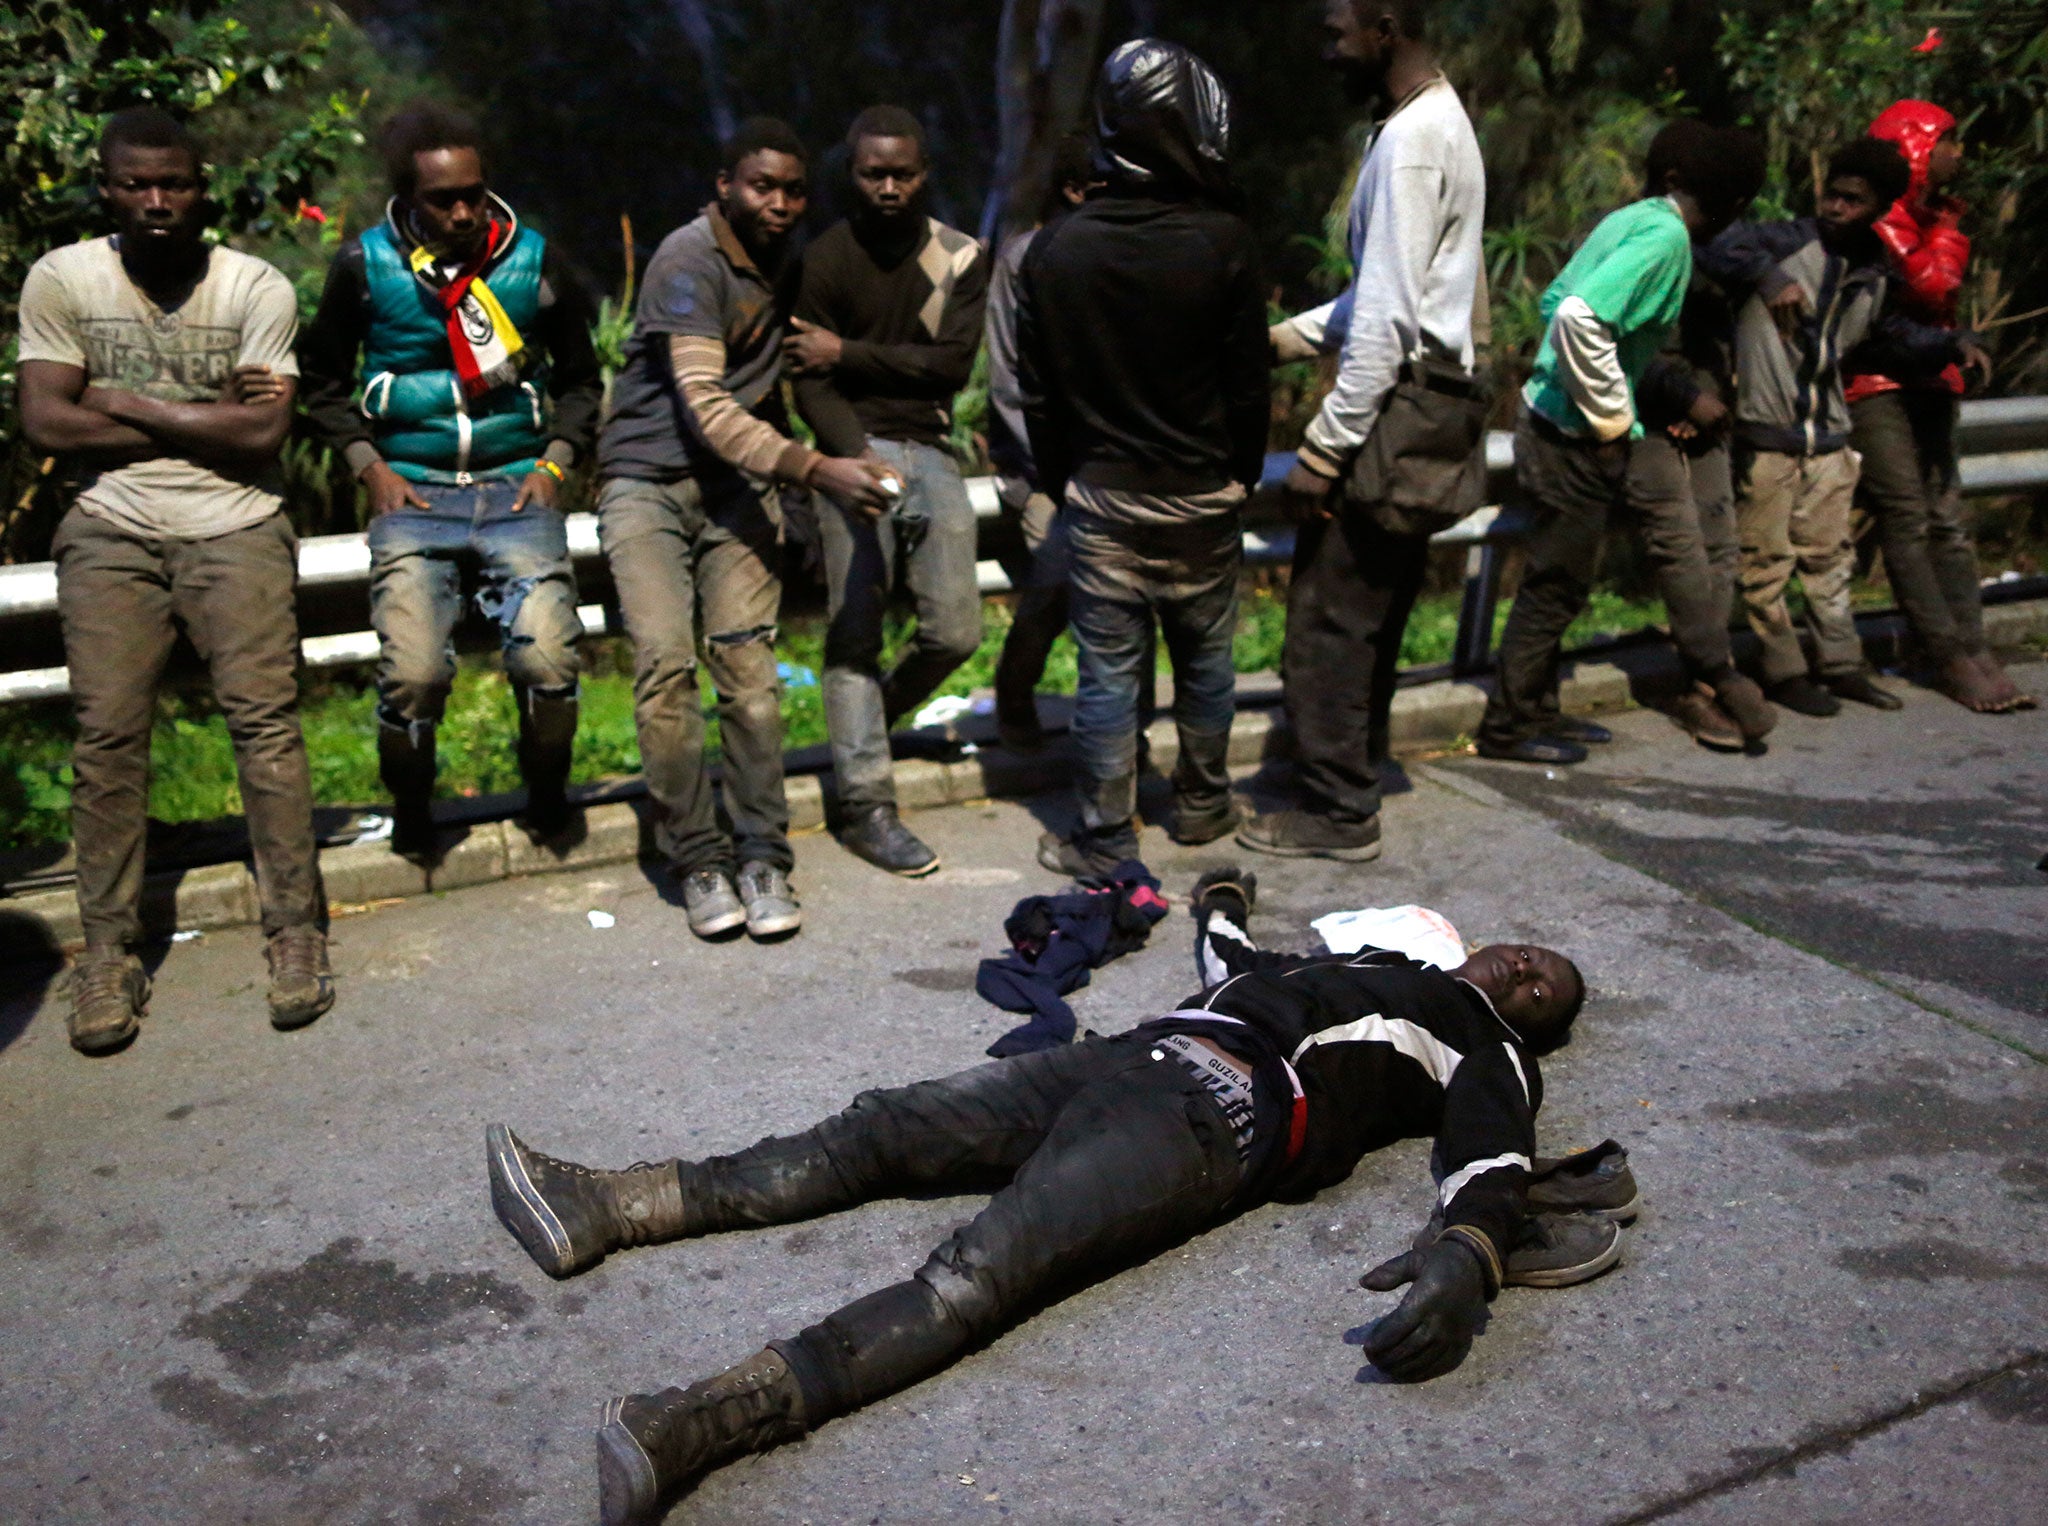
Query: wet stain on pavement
x=937, y=980
x=1870, y=1118
x=2021, y=1396
x=338, y=1302
x=1930, y=1259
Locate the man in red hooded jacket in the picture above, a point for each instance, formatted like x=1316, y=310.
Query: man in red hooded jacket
x=1903, y=422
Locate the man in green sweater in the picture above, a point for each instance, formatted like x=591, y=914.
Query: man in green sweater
x=1605, y=318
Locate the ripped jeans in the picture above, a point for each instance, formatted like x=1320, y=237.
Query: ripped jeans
x=526, y=587
x=695, y=564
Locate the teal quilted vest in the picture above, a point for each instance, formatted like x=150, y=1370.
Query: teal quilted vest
x=423, y=425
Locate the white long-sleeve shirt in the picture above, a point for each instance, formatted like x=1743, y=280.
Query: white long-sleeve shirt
x=1416, y=217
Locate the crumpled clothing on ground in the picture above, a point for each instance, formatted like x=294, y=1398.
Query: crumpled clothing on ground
x=1056, y=940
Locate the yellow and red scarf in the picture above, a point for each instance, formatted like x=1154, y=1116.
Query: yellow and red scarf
x=481, y=337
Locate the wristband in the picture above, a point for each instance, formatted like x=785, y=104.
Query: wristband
x=551, y=468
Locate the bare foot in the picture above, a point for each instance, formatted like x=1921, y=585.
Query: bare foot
x=1963, y=680
x=2008, y=695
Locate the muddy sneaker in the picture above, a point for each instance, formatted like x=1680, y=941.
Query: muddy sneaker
x=568, y=1217
x=1860, y=687
x=1592, y=1181
x=1306, y=834
x=301, y=984
x=650, y=1445
x=772, y=909
x=109, y=989
x=1701, y=717
x=710, y=903
x=879, y=836
x=1558, y=1250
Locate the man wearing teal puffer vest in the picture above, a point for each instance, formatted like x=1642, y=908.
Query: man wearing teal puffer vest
x=451, y=364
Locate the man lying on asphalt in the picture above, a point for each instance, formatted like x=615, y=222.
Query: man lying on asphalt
x=1271, y=1082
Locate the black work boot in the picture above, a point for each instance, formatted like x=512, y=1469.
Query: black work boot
x=547, y=745
x=405, y=761
x=651, y=1445
x=878, y=835
x=1859, y=686
x=569, y=1217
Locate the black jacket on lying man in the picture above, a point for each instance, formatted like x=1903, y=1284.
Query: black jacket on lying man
x=1275, y=1079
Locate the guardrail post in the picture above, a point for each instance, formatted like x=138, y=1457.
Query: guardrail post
x=1474, y=650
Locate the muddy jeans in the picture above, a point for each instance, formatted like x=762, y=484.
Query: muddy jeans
x=1353, y=587
x=1792, y=513
x=1130, y=567
x=1910, y=487
x=696, y=570
x=1572, y=486
x=1684, y=520
x=1102, y=1154
x=527, y=587
x=928, y=539
x=121, y=600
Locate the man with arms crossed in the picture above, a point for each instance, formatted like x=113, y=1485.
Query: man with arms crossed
x=887, y=328
x=479, y=388
x=691, y=523
x=1416, y=216
x=161, y=370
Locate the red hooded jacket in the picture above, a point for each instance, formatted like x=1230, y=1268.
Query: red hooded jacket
x=1923, y=231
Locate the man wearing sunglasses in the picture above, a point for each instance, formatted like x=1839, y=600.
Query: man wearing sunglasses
x=451, y=365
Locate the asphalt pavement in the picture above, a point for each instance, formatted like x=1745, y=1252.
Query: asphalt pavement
x=256, y=1277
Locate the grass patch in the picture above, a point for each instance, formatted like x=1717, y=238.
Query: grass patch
x=192, y=769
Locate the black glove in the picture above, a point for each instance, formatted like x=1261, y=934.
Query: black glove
x=1432, y=1328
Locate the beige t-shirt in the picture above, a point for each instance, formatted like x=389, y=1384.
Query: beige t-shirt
x=79, y=308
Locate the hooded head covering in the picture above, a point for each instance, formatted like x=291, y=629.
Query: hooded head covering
x=1916, y=126
x=1162, y=122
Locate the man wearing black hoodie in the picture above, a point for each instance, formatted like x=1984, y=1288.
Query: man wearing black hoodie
x=888, y=323
x=1142, y=354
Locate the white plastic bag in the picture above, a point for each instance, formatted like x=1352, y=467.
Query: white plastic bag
x=1416, y=931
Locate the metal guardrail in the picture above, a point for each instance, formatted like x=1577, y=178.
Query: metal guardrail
x=2003, y=444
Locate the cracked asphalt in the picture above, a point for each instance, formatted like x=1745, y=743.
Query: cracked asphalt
x=255, y=1277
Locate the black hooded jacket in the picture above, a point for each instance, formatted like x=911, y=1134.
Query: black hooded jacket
x=1141, y=320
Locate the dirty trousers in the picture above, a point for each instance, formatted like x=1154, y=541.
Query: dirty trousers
x=1101, y=1154
x=121, y=600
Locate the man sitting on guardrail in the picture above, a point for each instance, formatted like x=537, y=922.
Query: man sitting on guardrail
x=693, y=461
x=1605, y=318
x=887, y=326
x=159, y=369
x=1141, y=337
x=478, y=389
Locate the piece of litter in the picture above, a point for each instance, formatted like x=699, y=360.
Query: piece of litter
x=190, y=935
x=602, y=919
x=966, y=1478
x=990, y=1499
x=1423, y=935
x=1548, y=774
x=373, y=828
x=944, y=710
